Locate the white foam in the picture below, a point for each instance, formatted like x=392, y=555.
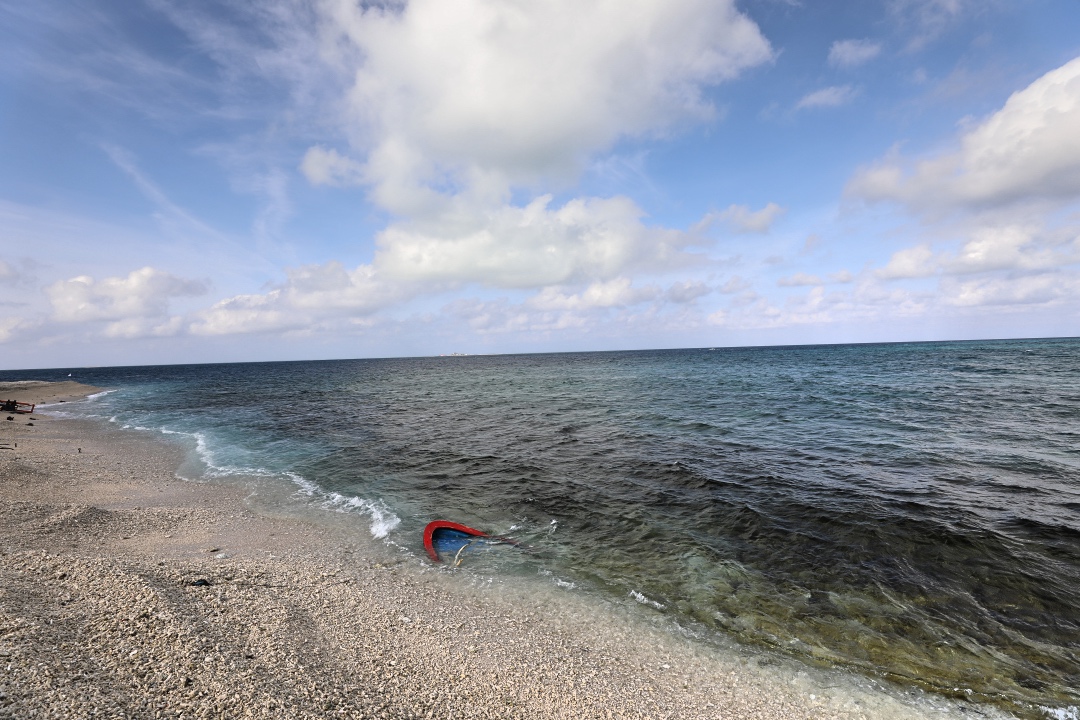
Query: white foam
x=94, y=396
x=213, y=468
x=103, y=393
x=207, y=457
x=382, y=519
x=1066, y=713
x=646, y=601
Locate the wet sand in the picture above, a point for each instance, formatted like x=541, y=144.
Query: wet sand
x=127, y=592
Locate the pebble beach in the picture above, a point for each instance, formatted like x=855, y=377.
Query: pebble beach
x=128, y=592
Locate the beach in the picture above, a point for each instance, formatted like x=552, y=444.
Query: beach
x=126, y=591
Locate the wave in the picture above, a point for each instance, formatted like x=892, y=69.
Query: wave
x=95, y=396
x=383, y=520
x=639, y=597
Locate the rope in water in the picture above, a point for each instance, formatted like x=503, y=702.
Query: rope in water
x=489, y=541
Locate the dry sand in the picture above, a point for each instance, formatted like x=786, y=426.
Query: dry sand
x=126, y=592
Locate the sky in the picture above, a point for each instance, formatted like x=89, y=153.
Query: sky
x=219, y=181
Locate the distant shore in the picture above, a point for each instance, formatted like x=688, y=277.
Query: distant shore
x=127, y=592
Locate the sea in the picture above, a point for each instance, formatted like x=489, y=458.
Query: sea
x=908, y=512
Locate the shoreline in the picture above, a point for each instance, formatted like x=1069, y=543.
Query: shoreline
x=103, y=547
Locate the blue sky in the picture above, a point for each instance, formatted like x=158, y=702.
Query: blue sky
x=212, y=181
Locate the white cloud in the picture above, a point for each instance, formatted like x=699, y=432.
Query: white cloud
x=329, y=167
x=1011, y=291
x=741, y=219
x=833, y=96
x=841, y=276
x=144, y=327
x=1010, y=248
x=735, y=284
x=1027, y=151
x=528, y=247
x=144, y=294
x=913, y=262
x=591, y=243
x=611, y=294
x=247, y=314
x=989, y=249
x=927, y=19
x=799, y=279
x=599, y=309
x=309, y=295
x=686, y=291
x=168, y=209
x=851, y=53
x=10, y=326
x=998, y=213
x=453, y=105
x=476, y=92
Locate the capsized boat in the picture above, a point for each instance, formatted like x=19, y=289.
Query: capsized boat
x=443, y=538
x=17, y=407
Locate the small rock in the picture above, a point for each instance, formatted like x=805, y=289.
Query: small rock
x=201, y=582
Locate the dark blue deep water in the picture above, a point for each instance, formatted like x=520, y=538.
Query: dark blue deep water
x=908, y=510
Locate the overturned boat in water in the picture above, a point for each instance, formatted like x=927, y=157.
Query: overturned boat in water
x=443, y=538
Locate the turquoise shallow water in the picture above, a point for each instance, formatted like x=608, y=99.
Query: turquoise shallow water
x=909, y=510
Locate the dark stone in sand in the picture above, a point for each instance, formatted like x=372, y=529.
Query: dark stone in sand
x=201, y=582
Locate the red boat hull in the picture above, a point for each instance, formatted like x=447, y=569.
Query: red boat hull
x=436, y=525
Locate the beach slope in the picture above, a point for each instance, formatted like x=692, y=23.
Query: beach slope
x=127, y=592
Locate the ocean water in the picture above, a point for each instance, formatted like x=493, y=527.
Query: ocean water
x=907, y=511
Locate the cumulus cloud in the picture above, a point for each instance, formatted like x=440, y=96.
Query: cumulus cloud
x=912, y=262
x=833, y=96
x=455, y=105
x=1011, y=291
x=686, y=291
x=310, y=294
x=1023, y=248
x=999, y=210
x=143, y=294
x=531, y=246
x=851, y=53
x=613, y=293
x=1029, y=150
x=464, y=91
x=247, y=314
